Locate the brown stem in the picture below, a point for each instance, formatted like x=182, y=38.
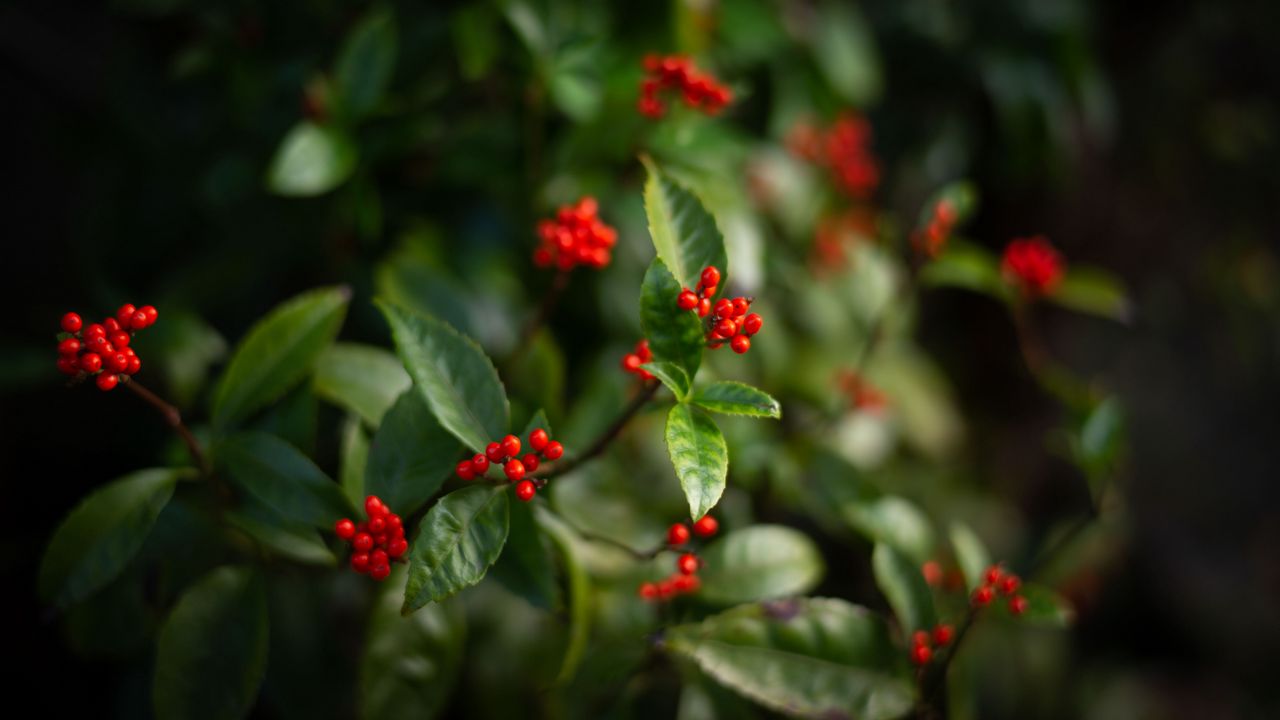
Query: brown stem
x=608, y=436
x=174, y=419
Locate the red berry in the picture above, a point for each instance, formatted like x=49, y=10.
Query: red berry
x=360, y=562
x=107, y=381
x=554, y=450
x=740, y=344
x=397, y=548
x=677, y=535
x=685, y=583
x=920, y=654
x=943, y=635
x=71, y=322
x=111, y=326
x=363, y=542
x=751, y=324
x=631, y=362
x=373, y=506
x=920, y=637
x=494, y=452
x=90, y=362
x=932, y=572
x=726, y=328
x=687, y=300
x=120, y=340
x=511, y=446
x=687, y=563
x=706, y=527
x=139, y=320
x=704, y=307
x=530, y=462
x=377, y=526
x=741, y=306
x=125, y=315
x=1009, y=584
x=70, y=346
x=345, y=529
x=134, y=365
x=710, y=277
x=1017, y=605
x=982, y=596
x=118, y=362
x=648, y=591
x=479, y=464
x=514, y=470
x=992, y=575
x=464, y=470
x=708, y=292
x=393, y=521
x=538, y=439
x=526, y=490
x=378, y=557
x=724, y=308
x=150, y=313
x=94, y=330
x=380, y=572
x=68, y=365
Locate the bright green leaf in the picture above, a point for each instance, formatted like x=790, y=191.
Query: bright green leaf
x=365, y=65
x=845, y=51
x=311, y=160
x=671, y=375
x=735, y=398
x=700, y=457
x=684, y=233
x=966, y=266
x=1093, y=291
x=410, y=457
x=459, y=539
x=675, y=336
x=971, y=554
x=361, y=378
x=892, y=520
x=281, y=477
x=903, y=585
x=761, y=562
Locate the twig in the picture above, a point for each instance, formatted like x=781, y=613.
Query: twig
x=174, y=419
x=608, y=436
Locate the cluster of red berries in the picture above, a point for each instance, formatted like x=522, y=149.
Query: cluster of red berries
x=699, y=90
x=862, y=394
x=730, y=319
x=997, y=581
x=844, y=149
x=506, y=453
x=685, y=579
x=575, y=237
x=376, y=542
x=836, y=233
x=1033, y=265
x=936, y=577
x=942, y=221
x=632, y=361
x=923, y=642
x=102, y=349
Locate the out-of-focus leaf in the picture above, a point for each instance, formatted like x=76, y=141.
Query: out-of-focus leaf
x=684, y=233
x=524, y=567
x=761, y=562
x=674, y=335
x=846, y=53
x=894, y=521
x=538, y=378
x=971, y=554
x=476, y=34
x=361, y=378
x=1093, y=291
x=186, y=346
x=700, y=457
x=671, y=375
x=735, y=398
x=311, y=160
x=410, y=457
x=279, y=351
x=281, y=477
x=960, y=196
x=579, y=594
x=102, y=534
x=966, y=266
x=355, y=456
x=296, y=541
x=814, y=657
x=1102, y=431
x=1045, y=607
x=459, y=539
x=457, y=379
x=365, y=65
x=292, y=419
x=903, y=585
x=575, y=81
x=212, y=651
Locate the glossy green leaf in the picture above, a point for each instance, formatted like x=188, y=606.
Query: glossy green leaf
x=282, y=478
x=903, y=585
x=966, y=266
x=355, y=456
x=411, y=455
x=311, y=160
x=671, y=375
x=815, y=657
x=292, y=540
x=279, y=351
x=580, y=607
x=1093, y=291
x=675, y=335
x=365, y=65
x=411, y=664
x=212, y=650
x=1045, y=607
x=845, y=51
x=102, y=534
x=892, y=520
x=700, y=457
x=361, y=378
x=735, y=398
x=684, y=233
x=460, y=538
x=971, y=554
x=761, y=562
x=457, y=379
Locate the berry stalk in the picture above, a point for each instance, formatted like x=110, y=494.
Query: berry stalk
x=174, y=419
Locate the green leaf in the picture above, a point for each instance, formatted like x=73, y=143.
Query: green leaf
x=971, y=554
x=814, y=657
x=457, y=542
x=903, y=585
x=1045, y=607
x=279, y=350
x=761, y=562
x=212, y=650
x=675, y=335
x=411, y=455
x=365, y=65
x=1103, y=430
x=524, y=567
x=845, y=51
x=355, y=456
x=1093, y=291
x=410, y=663
x=311, y=160
x=102, y=534
x=966, y=266
x=361, y=378
x=580, y=607
x=574, y=80
x=735, y=398
x=892, y=520
x=671, y=375
x=700, y=457
x=684, y=233
x=476, y=34
x=282, y=478
x=292, y=540
x=457, y=379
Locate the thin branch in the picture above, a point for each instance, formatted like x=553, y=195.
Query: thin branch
x=608, y=436
x=174, y=419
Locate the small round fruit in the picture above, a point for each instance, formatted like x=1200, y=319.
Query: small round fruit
x=464, y=470
x=363, y=542
x=740, y=344
x=751, y=324
x=345, y=529
x=982, y=596
x=360, y=562
x=710, y=277
x=125, y=315
x=921, y=654
x=91, y=362
x=134, y=365
x=511, y=446
x=514, y=470
x=120, y=340
x=373, y=506
x=648, y=591
x=68, y=365
x=397, y=548
x=107, y=381
x=704, y=307
x=943, y=635
x=530, y=462
x=94, y=330
x=380, y=572
x=706, y=527
x=479, y=464
x=993, y=575
x=150, y=313
x=687, y=564
x=726, y=328
x=1009, y=584
x=494, y=452
x=677, y=534
x=71, y=322
x=538, y=439
x=70, y=346
x=526, y=490
x=1017, y=605
x=920, y=637
x=724, y=308
x=553, y=450
x=377, y=526
x=741, y=306
x=686, y=300
x=378, y=557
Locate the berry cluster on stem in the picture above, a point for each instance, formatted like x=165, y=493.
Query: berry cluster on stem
x=925, y=643
x=698, y=89
x=1032, y=265
x=102, y=349
x=506, y=454
x=576, y=236
x=936, y=577
x=730, y=320
x=861, y=393
x=844, y=149
x=942, y=220
x=997, y=581
x=632, y=361
x=377, y=542
x=685, y=578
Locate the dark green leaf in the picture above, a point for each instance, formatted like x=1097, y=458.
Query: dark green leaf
x=457, y=379
x=966, y=266
x=361, y=378
x=684, y=233
x=364, y=68
x=903, y=585
x=671, y=375
x=813, y=657
x=845, y=51
x=892, y=520
x=700, y=457
x=524, y=567
x=355, y=456
x=285, y=480
x=1045, y=607
x=476, y=39
x=102, y=534
x=675, y=335
x=279, y=350
x=1093, y=291
x=735, y=398
x=212, y=651
x=311, y=160
x=411, y=455
x=761, y=562
x=296, y=541
x=457, y=542
x=971, y=554
x=579, y=594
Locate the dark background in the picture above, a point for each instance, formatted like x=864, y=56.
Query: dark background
x=111, y=195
